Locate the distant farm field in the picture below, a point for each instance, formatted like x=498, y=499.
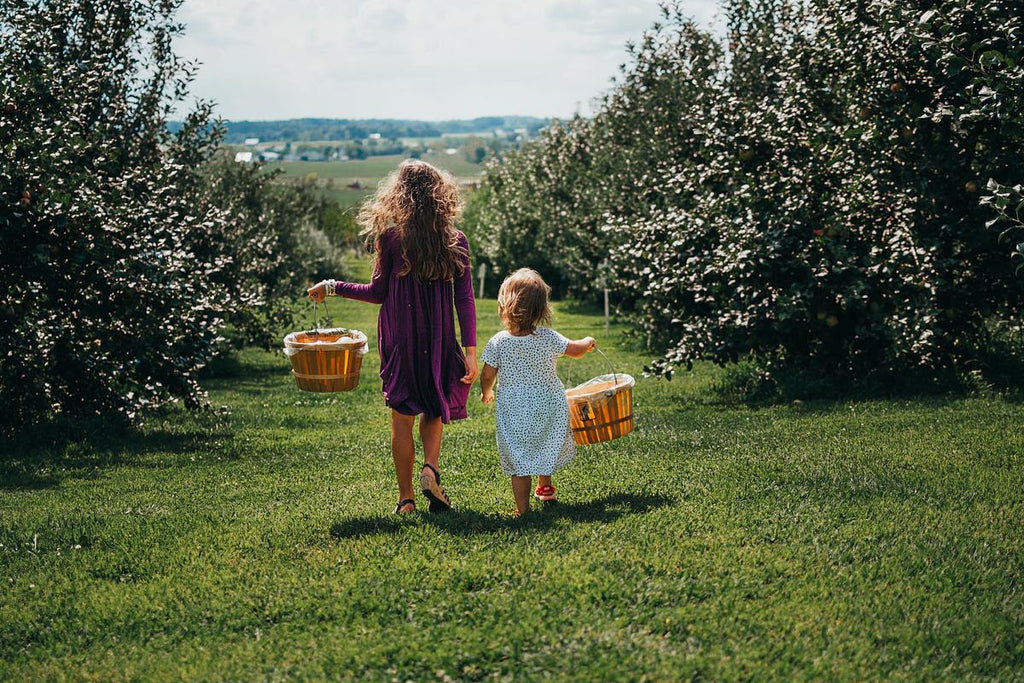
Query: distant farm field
x=334, y=177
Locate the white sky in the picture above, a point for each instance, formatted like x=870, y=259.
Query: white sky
x=413, y=59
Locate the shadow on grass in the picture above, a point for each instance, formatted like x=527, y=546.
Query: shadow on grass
x=464, y=522
x=748, y=384
x=42, y=458
x=232, y=366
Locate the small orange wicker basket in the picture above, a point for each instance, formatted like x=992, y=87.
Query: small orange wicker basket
x=601, y=409
x=327, y=360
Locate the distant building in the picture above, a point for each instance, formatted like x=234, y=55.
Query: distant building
x=450, y=151
x=375, y=136
x=269, y=156
x=243, y=157
x=252, y=141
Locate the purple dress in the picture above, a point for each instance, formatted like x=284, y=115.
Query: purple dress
x=421, y=362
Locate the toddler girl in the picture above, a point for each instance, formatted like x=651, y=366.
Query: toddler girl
x=532, y=413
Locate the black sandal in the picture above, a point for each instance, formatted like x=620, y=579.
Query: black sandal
x=431, y=485
x=403, y=503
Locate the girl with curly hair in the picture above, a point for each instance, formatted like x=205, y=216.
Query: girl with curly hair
x=421, y=273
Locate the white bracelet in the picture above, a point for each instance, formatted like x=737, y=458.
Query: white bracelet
x=331, y=285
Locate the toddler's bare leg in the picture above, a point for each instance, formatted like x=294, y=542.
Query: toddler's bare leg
x=521, y=490
x=544, y=480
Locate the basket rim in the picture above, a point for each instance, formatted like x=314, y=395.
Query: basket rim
x=354, y=338
x=619, y=382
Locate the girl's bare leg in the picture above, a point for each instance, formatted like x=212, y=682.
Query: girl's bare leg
x=521, y=490
x=544, y=480
x=430, y=435
x=403, y=450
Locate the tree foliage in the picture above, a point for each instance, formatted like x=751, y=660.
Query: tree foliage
x=124, y=251
x=805, y=190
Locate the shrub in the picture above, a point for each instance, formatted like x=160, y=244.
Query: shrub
x=842, y=229
x=544, y=205
x=123, y=252
x=805, y=193
x=270, y=240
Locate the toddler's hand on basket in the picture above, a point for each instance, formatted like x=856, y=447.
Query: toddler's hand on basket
x=591, y=343
x=318, y=292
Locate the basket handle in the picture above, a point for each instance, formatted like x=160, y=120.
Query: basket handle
x=316, y=314
x=568, y=378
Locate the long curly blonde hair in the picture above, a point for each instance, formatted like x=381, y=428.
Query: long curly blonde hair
x=422, y=204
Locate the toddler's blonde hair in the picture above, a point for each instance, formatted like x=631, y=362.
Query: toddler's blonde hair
x=523, y=301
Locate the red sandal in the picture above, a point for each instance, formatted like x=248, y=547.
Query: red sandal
x=545, y=493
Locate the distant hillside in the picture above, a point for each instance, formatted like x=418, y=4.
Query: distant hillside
x=302, y=130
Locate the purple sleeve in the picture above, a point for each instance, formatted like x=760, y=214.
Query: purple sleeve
x=465, y=304
x=377, y=291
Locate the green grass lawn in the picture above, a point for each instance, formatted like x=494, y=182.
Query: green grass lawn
x=859, y=540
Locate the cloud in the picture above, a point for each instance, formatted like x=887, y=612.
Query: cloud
x=266, y=59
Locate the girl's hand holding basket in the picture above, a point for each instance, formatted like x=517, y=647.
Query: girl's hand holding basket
x=318, y=292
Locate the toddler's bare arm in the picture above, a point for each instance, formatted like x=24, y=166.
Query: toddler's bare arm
x=487, y=377
x=579, y=347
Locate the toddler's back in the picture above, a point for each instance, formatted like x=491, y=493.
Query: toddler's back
x=529, y=360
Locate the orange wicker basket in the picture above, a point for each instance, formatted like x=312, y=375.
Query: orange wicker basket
x=326, y=360
x=601, y=409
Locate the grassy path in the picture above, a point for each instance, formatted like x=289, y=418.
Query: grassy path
x=839, y=541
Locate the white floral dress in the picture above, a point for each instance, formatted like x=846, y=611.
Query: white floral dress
x=532, y=414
